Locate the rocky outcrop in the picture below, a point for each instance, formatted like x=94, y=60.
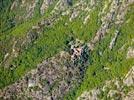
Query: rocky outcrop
x=56, y=76
x=52, y=79
x=92, y=95
x=110, y=17
x=130, y=53
x=45, y=5
x=112, y=43
x=27, y=8
x=129, y=78
x=117, y=89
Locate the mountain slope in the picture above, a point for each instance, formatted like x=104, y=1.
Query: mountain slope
x=55, y=49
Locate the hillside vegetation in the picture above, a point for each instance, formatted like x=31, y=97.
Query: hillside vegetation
x=63, y=47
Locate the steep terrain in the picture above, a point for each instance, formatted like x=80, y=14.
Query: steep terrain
x=66, y=49
x=117, y=89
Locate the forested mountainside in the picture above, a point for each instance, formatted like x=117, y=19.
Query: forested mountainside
x=66, y=49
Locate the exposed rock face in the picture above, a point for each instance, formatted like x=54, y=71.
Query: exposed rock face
x=45, y=5
x=92, y=95
x=129, y=96
x=56, y=76
x=111, y=17
x=27, y=7
x=113, y=93
x=130, y=53
x=129, y=78
x=52, y=79
x=74, y=15
x=113, y=90
x=112, y=43
x=13, y=5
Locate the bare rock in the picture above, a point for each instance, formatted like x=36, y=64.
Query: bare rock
x=129, y=78
x=91, y=95
x=129, y=96
x=45, y=5
x=52, y=79
x=112, y=43
x=130, y=53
